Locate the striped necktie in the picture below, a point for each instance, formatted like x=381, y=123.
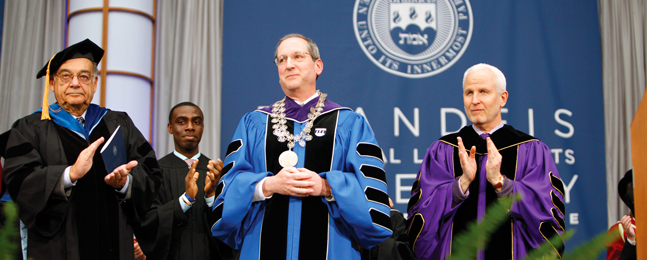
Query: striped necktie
x=81, y=120
x=189, y=162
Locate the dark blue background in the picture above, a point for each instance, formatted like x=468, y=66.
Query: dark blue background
x=548, y=50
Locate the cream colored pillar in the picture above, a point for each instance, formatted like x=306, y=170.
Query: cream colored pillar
x=125, y=29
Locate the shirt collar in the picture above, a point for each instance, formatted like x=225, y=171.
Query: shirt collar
x=307, y=100
x=479, y=132
x=181, y=156
x=82, y=116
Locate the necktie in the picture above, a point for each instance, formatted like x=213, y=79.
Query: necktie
x=81, y=120
x=484, y=136
x=189, y=162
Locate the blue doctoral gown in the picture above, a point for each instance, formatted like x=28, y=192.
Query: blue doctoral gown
x=343, y=151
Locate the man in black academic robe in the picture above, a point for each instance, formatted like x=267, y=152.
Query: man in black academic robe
x=179, y=223
x=72, y=206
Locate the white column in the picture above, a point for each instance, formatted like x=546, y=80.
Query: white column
x=125, y=30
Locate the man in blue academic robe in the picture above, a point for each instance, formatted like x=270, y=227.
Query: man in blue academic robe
x=303, y=179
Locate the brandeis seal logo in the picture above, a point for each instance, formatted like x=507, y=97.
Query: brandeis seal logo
x=413, y=38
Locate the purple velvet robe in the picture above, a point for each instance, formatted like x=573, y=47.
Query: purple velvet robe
x=439, y=211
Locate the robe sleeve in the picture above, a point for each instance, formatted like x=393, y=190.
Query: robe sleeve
x=146, y=176
x=358, y=185
x=31, y=181
x=233, y=210
x=395, y=247
x=156, y=234
x=430, y=207
x=540, y=212
x=616, y=238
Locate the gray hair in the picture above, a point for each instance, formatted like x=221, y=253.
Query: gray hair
x=312, y=46
x=499, y=78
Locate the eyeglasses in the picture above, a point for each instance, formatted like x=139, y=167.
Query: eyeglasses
x=83, y=77
x=297, y=56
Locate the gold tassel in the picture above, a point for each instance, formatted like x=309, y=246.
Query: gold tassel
x=45, y=111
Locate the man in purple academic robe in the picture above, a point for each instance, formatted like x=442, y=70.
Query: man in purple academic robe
x=455, y=186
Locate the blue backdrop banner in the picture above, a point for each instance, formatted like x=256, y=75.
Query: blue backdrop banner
x=401, y=63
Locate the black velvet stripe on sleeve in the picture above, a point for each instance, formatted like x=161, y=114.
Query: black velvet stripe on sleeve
x=372, y=172
x=557, y=218
x=548, y=232
x=417, y=222
x=150, y=161
x=557, y=183
x=216, y=214
x=369, y=149
x=557, y=202
x=381, y=219
x=414, y=200
x=414, y=187
x=376, y=195
x=18, y=150
x=144, y=149
x=233, y=147
x=226, y=169
x=219, y=188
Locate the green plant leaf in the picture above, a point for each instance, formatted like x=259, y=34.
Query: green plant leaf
x=546, y=250
x=467, y=243
x=9, y=233
x=590, y=249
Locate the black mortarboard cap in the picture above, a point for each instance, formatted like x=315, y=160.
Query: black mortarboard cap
x=83, y=49
x=627, y=193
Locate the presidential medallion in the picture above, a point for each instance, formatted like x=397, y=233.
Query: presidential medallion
x=288, y=159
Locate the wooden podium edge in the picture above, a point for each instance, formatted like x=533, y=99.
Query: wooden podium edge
x=639, y=160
